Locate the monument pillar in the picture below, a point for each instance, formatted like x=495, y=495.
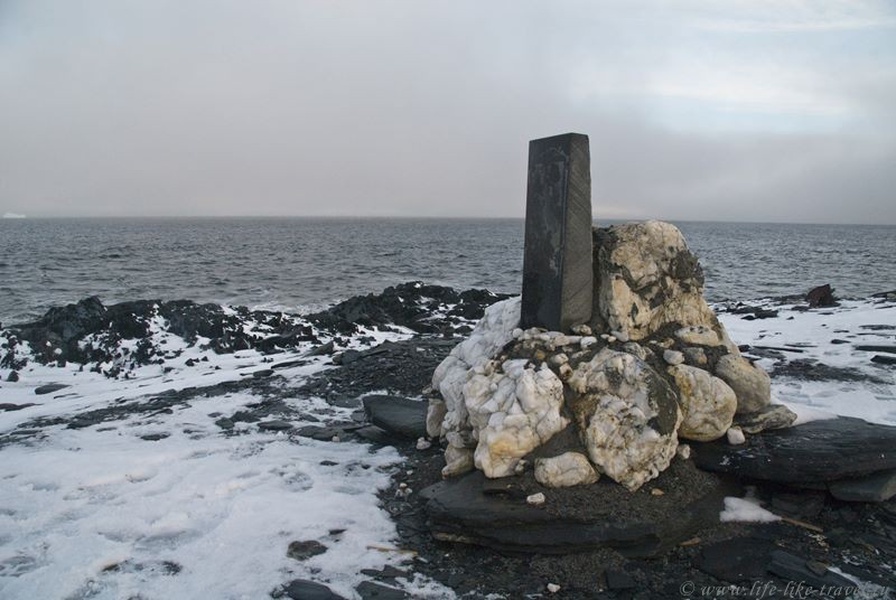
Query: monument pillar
x=557, y=272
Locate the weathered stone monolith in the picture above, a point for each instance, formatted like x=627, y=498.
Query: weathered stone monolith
x=557, y=272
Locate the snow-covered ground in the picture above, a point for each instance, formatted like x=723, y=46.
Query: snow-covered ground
x=171, y=505
x=828, y=336
x=101, y=512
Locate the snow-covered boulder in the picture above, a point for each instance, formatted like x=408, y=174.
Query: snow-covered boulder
x=628, y=416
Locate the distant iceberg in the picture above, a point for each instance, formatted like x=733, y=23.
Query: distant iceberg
x=12, y=215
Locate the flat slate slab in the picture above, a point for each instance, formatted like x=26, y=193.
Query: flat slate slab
x=400, y=416
x=818, y=452
x=494, y=513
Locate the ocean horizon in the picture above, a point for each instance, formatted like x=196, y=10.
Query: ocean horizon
x=300, y=264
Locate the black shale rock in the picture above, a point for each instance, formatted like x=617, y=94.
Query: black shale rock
x=809, y=455
x=49, y=388
x=821, y=296
x=403, y=417
x=302, y=589
x=303, y=550
x=494, y=513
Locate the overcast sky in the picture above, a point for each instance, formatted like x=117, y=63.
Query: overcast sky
x=751, y=110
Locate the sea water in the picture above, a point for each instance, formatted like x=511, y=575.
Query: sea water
x=298, y=264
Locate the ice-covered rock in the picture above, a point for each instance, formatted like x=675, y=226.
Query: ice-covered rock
x=707, y=403
x=491, y=334
x=566, y=470
x=513, y=408
x=628, y=416
x=750, y=383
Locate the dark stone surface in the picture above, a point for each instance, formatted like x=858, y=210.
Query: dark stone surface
x=303, y=550
x=812, y=453
x=400, y=368
x=369, y=590
x=401, y=416
x=883, y=359
x=619, y=580
x=736, y=560
x=275, y=425
x=494, y=513
x=410, y=305
x=876, y=348
x=302, y=589
x=10, y=407
x=821, y=296
x=557, y=271
x=877, y=487
x=801, y=570
x=50, y=388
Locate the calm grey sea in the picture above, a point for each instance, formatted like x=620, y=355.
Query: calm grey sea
x=297, y=264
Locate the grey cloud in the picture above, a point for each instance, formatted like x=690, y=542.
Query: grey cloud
x=392, y=108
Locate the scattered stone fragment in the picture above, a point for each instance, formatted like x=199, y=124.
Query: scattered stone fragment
x=423, y=444
x=794, y=568
x=535, y=499
x=225, y=423
x=821, y=296
x=302, y=589
x=619, y=580
x=883, y=359
x=10, y=407
x=276, y=425
x=877, y=487
x=387, y=573
x=50, y=388
x=13, y=377
x=673, y=357
x=736, y=560
x=155, y=437
x=321, y=433
x=303, y=550
x=370, y=590
x=773, y=416
x=553, y=588
x=736, y=436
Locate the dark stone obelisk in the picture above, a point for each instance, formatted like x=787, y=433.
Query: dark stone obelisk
x=557, y=274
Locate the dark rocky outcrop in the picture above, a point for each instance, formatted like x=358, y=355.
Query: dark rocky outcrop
x=400, y=416
x=413, y=305
x=814, y=454
x=91, y=333
x=821, y=296
x=495, y=513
